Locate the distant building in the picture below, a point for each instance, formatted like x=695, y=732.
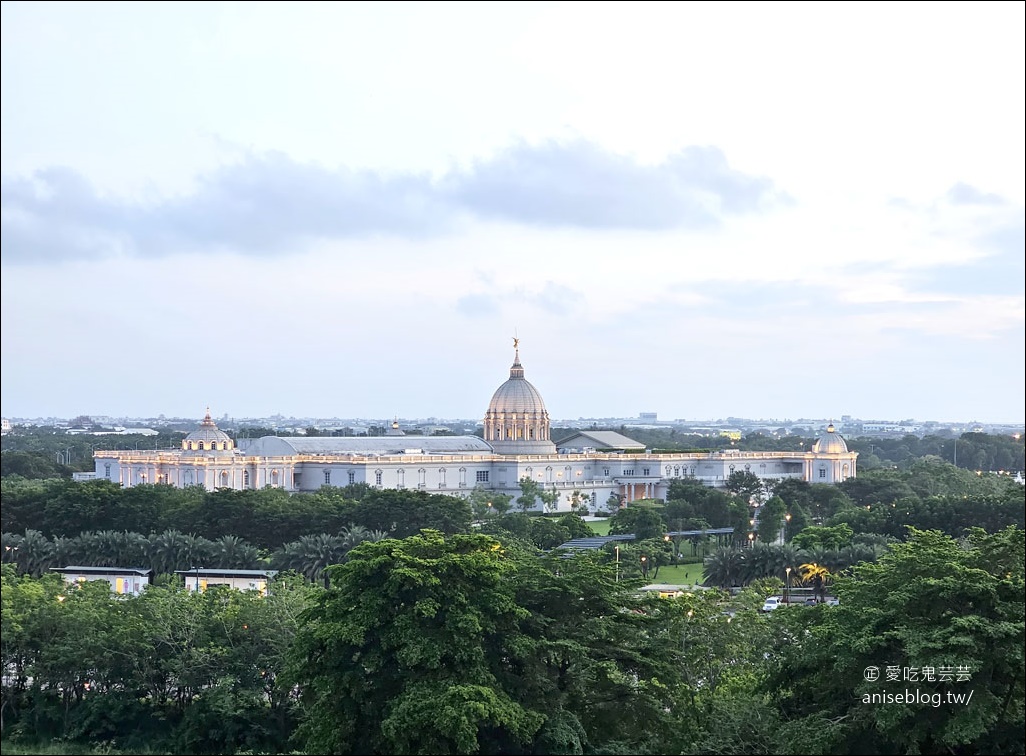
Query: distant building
x=599, y=465
x=122, y=580
x=199, y=579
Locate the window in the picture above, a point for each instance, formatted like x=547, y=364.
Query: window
x=482, y=476
x=605, y=472
x=245, y=478
x=676, y=471
x=463, y=477
x=822, y=472
x=645, y=471
x=327, y=477
x=400, y=475
x=224, y=479
x=377, y=477
x=274, y=478
x=106, y=471
x=530, y=434
x=441, y=477
x=352, y=477
x=422, y=477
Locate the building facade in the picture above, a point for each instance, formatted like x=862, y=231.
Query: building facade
x=516, y=445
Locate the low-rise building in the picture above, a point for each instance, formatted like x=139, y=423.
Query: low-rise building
x=123, y=580
x=200, y=578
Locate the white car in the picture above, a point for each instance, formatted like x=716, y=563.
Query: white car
x=771, y=603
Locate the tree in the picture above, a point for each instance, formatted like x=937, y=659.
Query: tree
x=579, y=502
x=771, y=519
x=746, y=485
x=485, y=503
x=459, y=644
x=824, y=537
x=932, y=605
x=530, y=491
x=400, y=656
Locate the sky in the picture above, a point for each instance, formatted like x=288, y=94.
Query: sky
x=704, y=210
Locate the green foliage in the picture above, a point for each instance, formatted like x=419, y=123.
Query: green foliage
x=929, y=603
x=823, y=537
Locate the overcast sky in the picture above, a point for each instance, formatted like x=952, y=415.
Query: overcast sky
x=701, y=210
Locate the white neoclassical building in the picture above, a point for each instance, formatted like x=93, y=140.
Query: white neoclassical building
x=516, y=445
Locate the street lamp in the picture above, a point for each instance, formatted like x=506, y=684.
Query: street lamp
x=617, y=550
x=787, y=586
x=751, y=540
x=644, y=567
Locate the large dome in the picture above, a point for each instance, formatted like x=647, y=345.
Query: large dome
x=830, y=443
x=208, y=438
x=517, y=394
x=516, y=421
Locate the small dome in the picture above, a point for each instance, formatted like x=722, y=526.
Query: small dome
x=830, y=443
x=208, y=438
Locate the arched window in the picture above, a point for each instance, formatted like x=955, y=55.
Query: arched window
x=441, y=477
x=224, y=479
x=401, y=478
x=422, y=477
x=463, y=477
x=530, y=434
x=377, y=477
x=245, y=478
x=274, y=478
x=548, y=474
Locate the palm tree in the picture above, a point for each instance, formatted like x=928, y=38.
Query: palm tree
x=818, y=576
x=723, y=567
x=35, y=553
x=312, y=553
x=759, y=562
x=234, y=553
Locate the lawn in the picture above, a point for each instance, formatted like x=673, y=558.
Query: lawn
x=599, y=527
x=680, y=574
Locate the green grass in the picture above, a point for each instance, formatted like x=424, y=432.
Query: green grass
x=599, y=527
x=680, y=574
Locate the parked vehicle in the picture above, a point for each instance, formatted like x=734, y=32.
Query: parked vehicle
x=771, y=603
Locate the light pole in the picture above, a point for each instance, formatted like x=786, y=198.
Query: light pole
x=617, y=549
x=644, y=567
x=787, y=586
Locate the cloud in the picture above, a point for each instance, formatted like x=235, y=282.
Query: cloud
x=964, y=194
x=271, y=204
x=580, y=184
